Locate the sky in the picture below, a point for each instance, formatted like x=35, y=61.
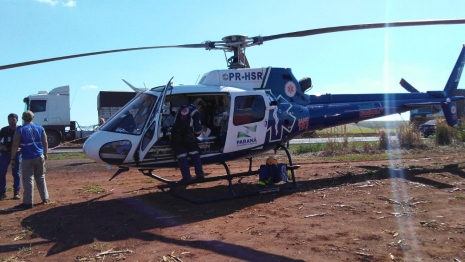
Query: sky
x=353, y=62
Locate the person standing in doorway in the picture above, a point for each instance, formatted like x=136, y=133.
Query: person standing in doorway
x=6, y=138
x=34, y=148
x=183, y=138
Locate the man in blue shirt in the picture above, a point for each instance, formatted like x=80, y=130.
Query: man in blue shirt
x=183, y=138
x=33, y=142
x=6, y=136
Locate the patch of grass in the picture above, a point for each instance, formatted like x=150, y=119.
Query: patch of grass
x=66, y=156
x=349, y=128
x=149, y=180
x=369, y=172
x=360, y=157
x=460, y=197
x=409, y=136
x=94, y=189
x=446, y=135
x=11, y=258
x=99, y=246
x=305, y=148
x=25, y=249
x=28, y=231
x=367, y=202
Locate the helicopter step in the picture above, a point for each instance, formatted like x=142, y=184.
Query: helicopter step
x=170, y=185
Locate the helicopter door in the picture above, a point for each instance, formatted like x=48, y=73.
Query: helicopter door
x=247, y=126
x=150, y=134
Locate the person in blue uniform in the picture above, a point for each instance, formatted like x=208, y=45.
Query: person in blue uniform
x=6, y=136
x=34, y=147
x=185, y=129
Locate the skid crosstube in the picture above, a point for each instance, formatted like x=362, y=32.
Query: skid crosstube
x=171, y=185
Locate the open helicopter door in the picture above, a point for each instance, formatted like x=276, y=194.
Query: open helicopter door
x=151, y=131
x=248, y=122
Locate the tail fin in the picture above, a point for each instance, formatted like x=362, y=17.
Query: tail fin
x=450, y=113
x=449, y=108
x=455, y=75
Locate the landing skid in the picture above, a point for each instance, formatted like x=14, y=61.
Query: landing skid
x=171, y=185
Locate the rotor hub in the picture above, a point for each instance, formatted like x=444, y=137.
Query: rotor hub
x=234, y=38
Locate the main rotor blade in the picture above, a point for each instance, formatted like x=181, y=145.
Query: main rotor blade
x=210, y=45
x=97, y=53
x=362, y=26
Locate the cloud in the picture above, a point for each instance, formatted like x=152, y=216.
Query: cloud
x=68, y=3
x=50, y=2
x=89, y=87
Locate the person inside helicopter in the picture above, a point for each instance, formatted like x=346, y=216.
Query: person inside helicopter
x=167, y=125
x=183, y=138
x=132, y=119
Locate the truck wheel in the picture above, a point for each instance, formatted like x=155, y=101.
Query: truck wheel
x=53, y=139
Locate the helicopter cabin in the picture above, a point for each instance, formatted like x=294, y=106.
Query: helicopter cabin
x=215, y=119
x=234, y=120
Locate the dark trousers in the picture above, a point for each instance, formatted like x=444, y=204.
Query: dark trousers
x=185, y=145
x=5, y=158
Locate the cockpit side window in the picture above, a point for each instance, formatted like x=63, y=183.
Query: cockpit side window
x=248, y=109
x=133, y=117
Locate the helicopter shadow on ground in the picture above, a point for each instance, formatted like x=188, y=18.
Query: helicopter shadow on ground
x=82, y=223
x=413, y=173
x=385, y=172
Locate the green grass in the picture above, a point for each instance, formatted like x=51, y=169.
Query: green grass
x=364, y=127
x=381, y=124
x=349, y=129
x=305, y=148
x=367, y=202
x=66, y=156
x=25, y=249
x=94, y=189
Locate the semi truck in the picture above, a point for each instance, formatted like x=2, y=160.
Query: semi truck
x=52, y=111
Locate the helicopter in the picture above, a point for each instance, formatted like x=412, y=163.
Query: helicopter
x=248, y=110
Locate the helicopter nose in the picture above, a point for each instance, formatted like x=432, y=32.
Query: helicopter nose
x=91, y=148
x=107, y=147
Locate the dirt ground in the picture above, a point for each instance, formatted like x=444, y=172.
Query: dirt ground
x=410, y=209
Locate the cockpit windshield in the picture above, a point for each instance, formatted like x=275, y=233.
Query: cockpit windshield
x=133, y=117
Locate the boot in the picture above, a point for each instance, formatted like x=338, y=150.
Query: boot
x=16, y=195
x=198, y=166
x=184, y=168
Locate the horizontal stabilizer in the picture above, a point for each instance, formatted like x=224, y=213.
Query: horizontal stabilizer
x=136, y=89
x=408, y=86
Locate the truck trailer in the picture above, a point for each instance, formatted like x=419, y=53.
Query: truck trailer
x=52, y=111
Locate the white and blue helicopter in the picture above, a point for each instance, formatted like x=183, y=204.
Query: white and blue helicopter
x=249, y=110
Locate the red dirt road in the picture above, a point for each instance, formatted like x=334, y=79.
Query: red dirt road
x=410, y=209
